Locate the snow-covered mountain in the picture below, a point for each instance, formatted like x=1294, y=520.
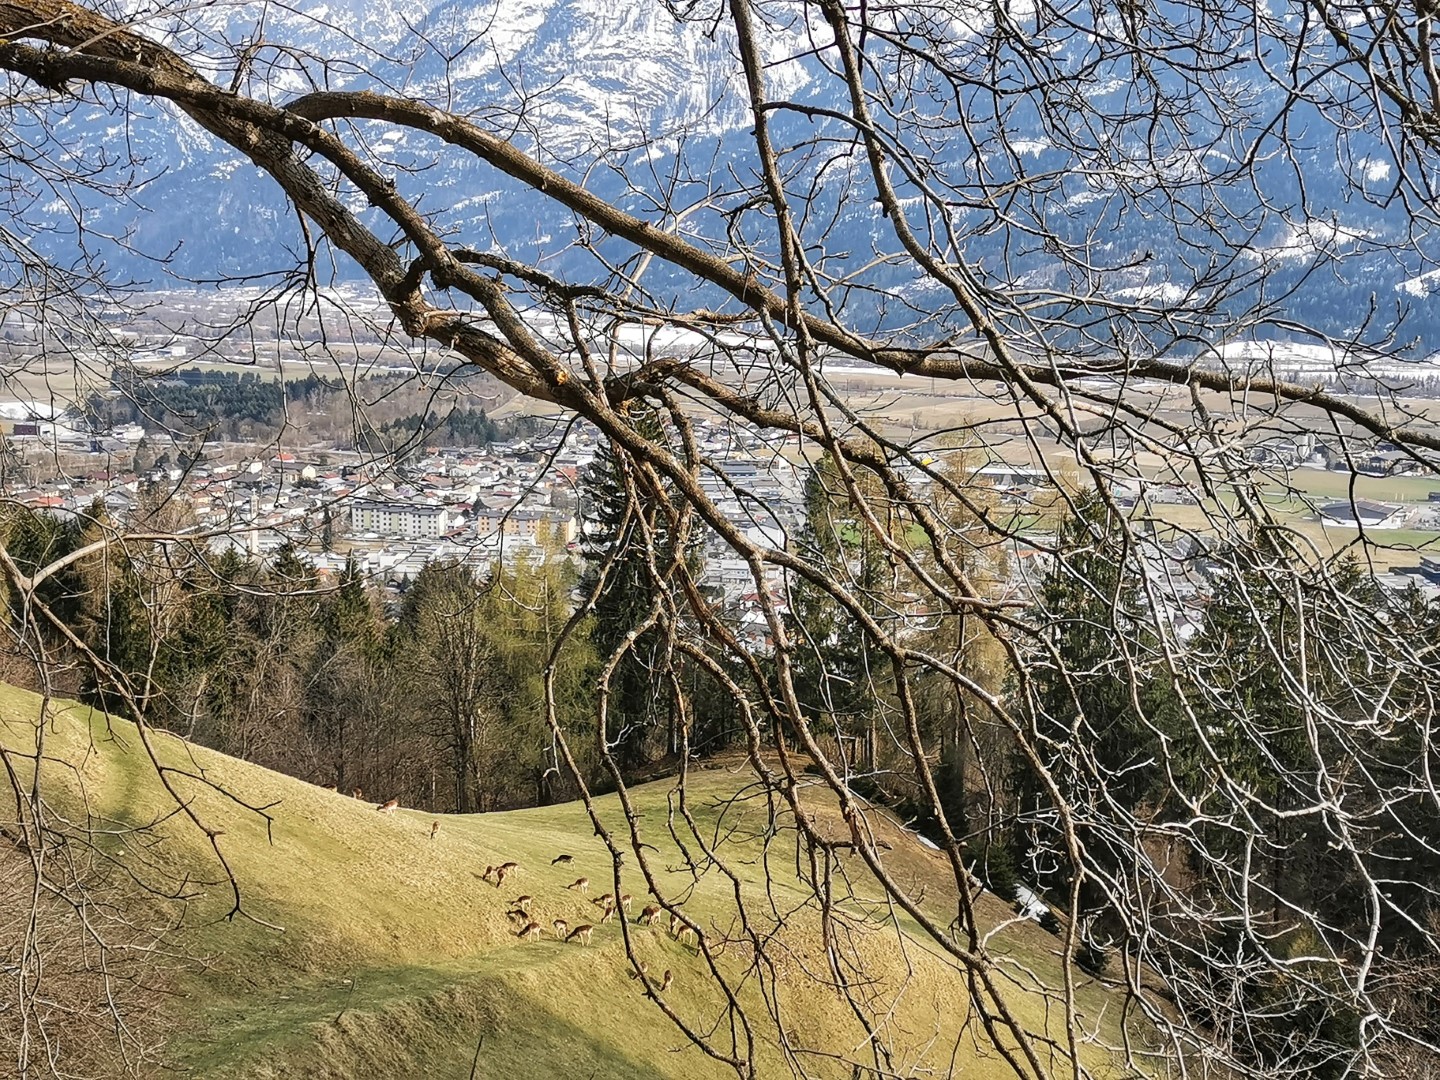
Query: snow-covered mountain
x=650, y=109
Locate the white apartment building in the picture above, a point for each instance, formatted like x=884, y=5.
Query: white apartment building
x=409, y=521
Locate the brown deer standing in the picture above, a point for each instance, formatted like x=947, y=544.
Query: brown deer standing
x=567, y=859
x=582, y=932
x=560, y=926
x=583, y=884
x=530, y=932
x=607, y=914
x=625, y=900
x=357, y=793
x=639, y=970
x=648, y=914
x=523, y=902
x=604, y=900
x=434, y=828
x=389, y=806
x=666, y=981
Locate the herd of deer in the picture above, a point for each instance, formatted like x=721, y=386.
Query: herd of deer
x=608, y=903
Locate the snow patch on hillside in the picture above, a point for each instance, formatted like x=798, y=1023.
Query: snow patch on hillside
x=1375, y=170
x=1306, y=239
x=1421, y=285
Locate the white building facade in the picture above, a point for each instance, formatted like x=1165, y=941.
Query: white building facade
x=409, y=521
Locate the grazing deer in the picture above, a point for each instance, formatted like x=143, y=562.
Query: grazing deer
x=684, y=932
x=530, y=932
x=509, y=867
x=607, y=914
x=583, y=884
x=582, y=932
x=625, y=900
x=679, y=929
x=500, y=875
x=434, y=828
x=523, y=902
x=357, y=793
x=389, y=806
x=560, y=926
x=604, y=900
x=648, y=914
x=639, y=970
x=566, y=859
x=666, y=981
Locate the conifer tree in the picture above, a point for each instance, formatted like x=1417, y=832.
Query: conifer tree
x=344, y=687
x=836, y=670
x=619, y=538
x=1092, y=742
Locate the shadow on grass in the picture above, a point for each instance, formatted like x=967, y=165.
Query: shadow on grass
x=416, y=1023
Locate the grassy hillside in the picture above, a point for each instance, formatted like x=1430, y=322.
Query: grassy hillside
x=396, y=959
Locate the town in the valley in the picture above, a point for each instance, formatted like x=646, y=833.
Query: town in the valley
x=390, y=507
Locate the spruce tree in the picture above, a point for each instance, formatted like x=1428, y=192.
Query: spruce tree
x=618, y=573
x=1084, y=726
x=835, y=667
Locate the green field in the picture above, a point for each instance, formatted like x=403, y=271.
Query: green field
x=1326, y=485
x=1297, y=510
x=397, y=960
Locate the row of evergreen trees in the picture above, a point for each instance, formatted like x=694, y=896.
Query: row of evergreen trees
x=216, y=403
x=227, y=405
x=457, y=427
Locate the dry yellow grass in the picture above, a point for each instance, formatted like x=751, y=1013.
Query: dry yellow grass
x=397, y=959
